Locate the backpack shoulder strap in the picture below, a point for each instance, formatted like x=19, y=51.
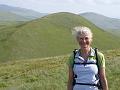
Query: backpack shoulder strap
x=74, y=52
x=96, y=56
x=74, y=76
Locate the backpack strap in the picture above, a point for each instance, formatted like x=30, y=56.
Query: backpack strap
x=96, y=56
x=74, y=76
x=97, y=63
x=74, y=53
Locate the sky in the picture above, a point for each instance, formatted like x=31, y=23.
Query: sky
x=108, y=8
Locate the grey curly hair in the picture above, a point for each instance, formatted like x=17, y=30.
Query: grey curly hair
x=79, y=30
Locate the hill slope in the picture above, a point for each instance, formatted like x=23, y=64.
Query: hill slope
x=111, y=25
x=49, y=36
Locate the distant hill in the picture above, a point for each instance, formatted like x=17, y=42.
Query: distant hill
x=27, y=14
x=49, y=36
x=8, y=16
x=102, y=21
x=111, y=25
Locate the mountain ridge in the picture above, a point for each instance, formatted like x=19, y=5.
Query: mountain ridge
x=102, y=21
x=23, y=12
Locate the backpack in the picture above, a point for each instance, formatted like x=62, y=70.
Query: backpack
x=75, y=76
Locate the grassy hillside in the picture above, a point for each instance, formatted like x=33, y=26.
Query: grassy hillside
x=114, y=32
x=50, y=73
x=49, y=36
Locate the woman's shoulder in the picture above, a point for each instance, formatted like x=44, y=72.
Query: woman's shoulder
x=100, y=55
x=71, y=60
x=101, y=59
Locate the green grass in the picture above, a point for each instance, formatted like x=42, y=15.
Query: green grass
x=48, y=36
x=114, y=32
x=50, y=73
x=34, y=74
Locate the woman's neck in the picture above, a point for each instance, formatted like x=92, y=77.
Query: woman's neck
x=85, y=51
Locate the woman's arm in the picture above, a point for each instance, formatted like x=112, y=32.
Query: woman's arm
x=70, y=79
x=103, y=78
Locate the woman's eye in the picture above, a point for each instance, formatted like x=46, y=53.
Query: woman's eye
x=86, y=38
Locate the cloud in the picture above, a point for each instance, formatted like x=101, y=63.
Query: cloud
x=107, y=2
x=93, y=2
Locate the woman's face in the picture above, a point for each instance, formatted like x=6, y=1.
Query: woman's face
x=84, y=41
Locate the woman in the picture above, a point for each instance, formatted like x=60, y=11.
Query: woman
x=83, y=70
